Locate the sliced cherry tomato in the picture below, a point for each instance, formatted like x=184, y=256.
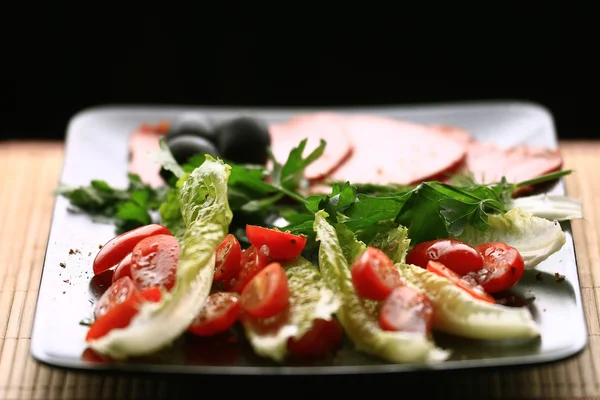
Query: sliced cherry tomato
x=322, y=338
x=154, y=262
x=374, y=275
x=278, y=245
x=468, y=285
x=118, y=247
x=152, y=294
x=252, y=262
x=123, y=268
x=220, y=311
x=406, y=310
x=228, y=262
x=503, y=267
x=121, y=314
x=119, y=292
x=267, y=294
x=454, y=254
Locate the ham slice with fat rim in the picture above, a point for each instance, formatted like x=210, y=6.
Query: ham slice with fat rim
x=143, y=141
x=489, y=163
x=393, y=151
x=313, y=127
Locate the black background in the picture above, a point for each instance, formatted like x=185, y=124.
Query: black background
x=58, y=63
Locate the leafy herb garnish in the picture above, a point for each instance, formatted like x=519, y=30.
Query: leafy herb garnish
x=128, y=208
x=430, y=210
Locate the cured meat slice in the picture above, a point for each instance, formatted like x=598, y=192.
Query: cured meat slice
x=489, y=163
x=313, y=127
x=143, y=141
x=388, y=151
x=454, y=132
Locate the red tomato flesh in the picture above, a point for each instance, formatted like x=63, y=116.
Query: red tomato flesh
x=154, y=262
x=374, y=275
x=267, y=294
x=119, y=292
x=220, y=311
x=121, y=314
x=503, y=267
x=322, y=338
x=252, y=262
x=465, y=284
x=118, y=247
x=278, y=245
x=406, y=310
x=454, y=254
x=123, y=268
x=228, y=260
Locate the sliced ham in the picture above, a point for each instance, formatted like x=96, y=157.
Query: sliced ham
x=380, y=150
x=454, y=132
x=388, y=151
x=489, y=163
x=144, y=140
x=314, y=127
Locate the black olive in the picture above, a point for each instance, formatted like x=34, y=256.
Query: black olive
x=243, y=140
x=185, y=146
x=191, y=124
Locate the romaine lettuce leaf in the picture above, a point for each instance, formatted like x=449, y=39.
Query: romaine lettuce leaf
x=357, y=316
x=535, y=238
x=394, y=243
x=170, y=210
x=206, y=213
x=553, y=207
x=456, y=312
x=310, y=299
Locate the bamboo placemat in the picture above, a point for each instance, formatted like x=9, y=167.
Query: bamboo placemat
x=30, y=172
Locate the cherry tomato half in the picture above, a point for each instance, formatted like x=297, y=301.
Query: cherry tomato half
x=121, y=314
x=374, y=275
x=503, y=267
x=279, y=246
x=120, y=291
x=220, y=311
x=154, y=262
x=454, y=254
x=118, y=247
x=267, y=294
x=468, y=285
x=123, y=268
x=228, y=260
x=406, y=310
x=322, y=338
x=252, y=262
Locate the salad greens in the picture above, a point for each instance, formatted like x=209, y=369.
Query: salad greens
x=310, y=299
x=536, y=238
x=128, y=208
x=206, y=213
x=458, y=313
x=358, y=316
